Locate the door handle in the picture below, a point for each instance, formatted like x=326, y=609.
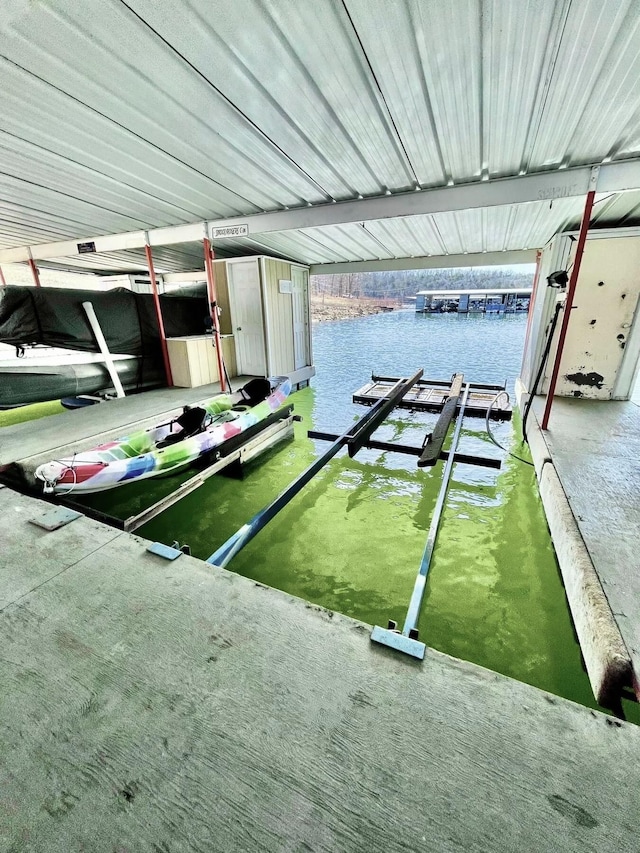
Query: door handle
x=238, y=328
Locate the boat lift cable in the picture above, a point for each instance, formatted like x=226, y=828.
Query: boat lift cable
x=543, y=360
x=492, y=436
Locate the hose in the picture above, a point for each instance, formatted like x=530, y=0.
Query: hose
x=491, y=435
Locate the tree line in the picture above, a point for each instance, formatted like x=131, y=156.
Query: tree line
x=402, y=284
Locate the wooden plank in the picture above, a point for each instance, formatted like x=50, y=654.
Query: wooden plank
x=433, y=442
x=444, y=383
x=421, y=399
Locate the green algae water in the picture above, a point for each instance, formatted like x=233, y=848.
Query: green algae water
x=352, y=540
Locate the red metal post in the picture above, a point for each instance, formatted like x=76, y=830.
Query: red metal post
x=584, y=228
x=213, y=307
x=156, y=300
x=3, y=281
x=34, y=272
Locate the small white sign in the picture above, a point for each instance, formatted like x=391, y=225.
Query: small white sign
x=226, y=231
x=285, y=285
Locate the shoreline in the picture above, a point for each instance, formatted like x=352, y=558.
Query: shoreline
x=332, y=308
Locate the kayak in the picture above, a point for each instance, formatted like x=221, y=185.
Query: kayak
x=161, y=449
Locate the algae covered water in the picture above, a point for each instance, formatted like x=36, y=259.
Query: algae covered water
x=352, y=540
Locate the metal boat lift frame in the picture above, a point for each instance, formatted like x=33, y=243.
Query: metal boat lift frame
x=359, y=435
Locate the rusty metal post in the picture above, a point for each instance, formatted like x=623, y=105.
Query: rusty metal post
x=584, y=228
x=34, y=272
x=213, y=308
x=156, y=301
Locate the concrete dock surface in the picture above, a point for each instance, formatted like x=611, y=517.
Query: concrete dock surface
x=165, y=706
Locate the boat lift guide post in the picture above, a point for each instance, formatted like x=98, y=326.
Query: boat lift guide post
x=355, y=437
x=104, y=349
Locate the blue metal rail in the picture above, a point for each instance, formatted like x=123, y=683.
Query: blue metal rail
x=355, y=437
x=407, y=641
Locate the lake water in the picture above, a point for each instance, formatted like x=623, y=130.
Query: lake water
x=352, y=540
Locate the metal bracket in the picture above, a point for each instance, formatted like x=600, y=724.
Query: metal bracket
x=164, y=551
x=55, y=518
x=398, y=642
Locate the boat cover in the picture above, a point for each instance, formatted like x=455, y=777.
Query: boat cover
x=54, y=316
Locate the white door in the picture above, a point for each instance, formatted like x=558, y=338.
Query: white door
x=246, y=317
x=299, y=303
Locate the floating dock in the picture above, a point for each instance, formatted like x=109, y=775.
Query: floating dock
x=156, y=705
x=430, y=395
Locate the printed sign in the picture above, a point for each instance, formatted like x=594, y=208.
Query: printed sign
x=285, y=285
x=83, y=248
x=226, y=231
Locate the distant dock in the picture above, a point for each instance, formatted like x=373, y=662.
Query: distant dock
x=470, y=301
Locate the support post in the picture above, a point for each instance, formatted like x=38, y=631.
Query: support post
x=584, y=228
x=213, y=309
x=34, y=272
x=432, y=447
x=3, y=281
x=104, y=349
x=156, y=302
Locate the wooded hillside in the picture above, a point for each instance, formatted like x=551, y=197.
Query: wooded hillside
x=399, y=285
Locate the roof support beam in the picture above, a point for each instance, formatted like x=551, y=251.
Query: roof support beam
x=432, y=262
x=541, y=186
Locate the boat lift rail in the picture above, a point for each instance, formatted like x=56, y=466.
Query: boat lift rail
x=407, y=641
x=355, y=437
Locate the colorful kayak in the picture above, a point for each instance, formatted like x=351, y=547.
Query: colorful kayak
x=158, y=450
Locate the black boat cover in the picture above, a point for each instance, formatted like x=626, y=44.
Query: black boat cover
x=54, y=316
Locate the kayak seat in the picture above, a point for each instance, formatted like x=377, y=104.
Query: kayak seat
x=191, y=422
x=255, y=391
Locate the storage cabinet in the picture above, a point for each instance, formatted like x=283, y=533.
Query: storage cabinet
x=194, y=362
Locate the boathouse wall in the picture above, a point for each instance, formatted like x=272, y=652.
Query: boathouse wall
x=286, y=291
x=602, y=348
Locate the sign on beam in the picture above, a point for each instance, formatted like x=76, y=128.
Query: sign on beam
x=227, y=231
x=83, y=248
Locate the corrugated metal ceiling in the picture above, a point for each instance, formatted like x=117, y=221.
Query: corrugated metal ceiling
x=120, y=115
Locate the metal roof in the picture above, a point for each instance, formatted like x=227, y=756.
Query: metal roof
x=126, y=116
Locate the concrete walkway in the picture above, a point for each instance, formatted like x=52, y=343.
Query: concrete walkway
x=172, y=706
